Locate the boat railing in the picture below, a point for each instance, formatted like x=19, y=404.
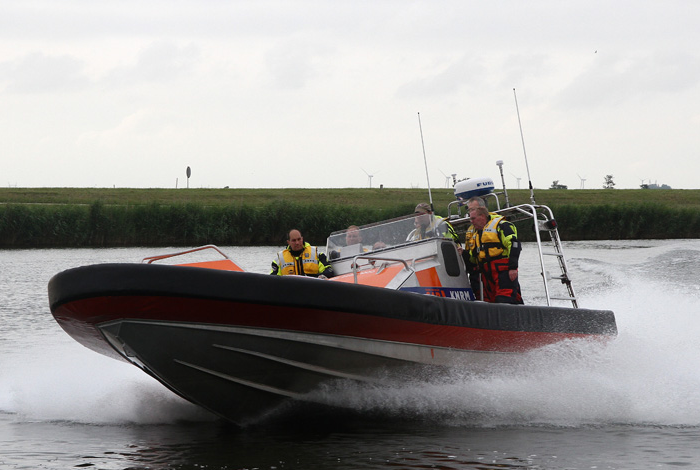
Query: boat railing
x=151, y=259
x=376, y=258
x=392, y=233
x=543, y=220
x=459, y=203
x=422, y=258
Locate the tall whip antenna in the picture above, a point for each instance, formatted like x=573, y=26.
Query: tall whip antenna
x=425, y=160
x=522, y=138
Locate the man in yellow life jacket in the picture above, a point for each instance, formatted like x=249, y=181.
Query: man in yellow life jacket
x=470, y=243
x=493, y=248
x=301, y=259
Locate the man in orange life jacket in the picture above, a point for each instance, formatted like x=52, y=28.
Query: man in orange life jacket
x=494, y=249
x=301, y=259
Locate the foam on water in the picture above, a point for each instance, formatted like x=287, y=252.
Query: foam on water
x=65, y=382
x=649, y=374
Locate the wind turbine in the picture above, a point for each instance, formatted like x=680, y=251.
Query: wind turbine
x=583, y=181
x=447, y=178
x=369, y=177
x=517, y=178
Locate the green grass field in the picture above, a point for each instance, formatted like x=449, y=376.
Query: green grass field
x=364, y=197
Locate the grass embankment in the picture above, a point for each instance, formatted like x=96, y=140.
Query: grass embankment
x=364, y=197
x=75, y=217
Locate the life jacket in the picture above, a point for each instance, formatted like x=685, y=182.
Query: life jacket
x=488, y=245
x=438, y=227
x=472, y=234
x=470, y=237
x=288, y=263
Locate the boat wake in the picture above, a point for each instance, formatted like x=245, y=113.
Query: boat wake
x=62, y=383
x=648, y=375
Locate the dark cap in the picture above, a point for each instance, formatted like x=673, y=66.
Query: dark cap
x=423, y=207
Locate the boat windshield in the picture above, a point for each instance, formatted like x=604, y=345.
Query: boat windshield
x=390, y=233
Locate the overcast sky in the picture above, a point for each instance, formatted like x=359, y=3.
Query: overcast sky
x=318, y=93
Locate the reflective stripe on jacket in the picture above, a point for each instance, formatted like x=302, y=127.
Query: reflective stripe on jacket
x=489, y=245
x=307, y=261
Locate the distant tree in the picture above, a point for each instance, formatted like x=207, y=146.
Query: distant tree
x=556, y=185
x=644, y=186
x=609, y=183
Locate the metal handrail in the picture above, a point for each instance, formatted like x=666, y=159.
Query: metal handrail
x=539, y=215
x=151, y=259
x=413, y=261
x=533, y=214
x=378, y=258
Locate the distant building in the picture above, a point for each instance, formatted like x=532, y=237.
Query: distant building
x=556, y=185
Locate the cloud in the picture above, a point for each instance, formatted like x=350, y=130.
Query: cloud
x=447, y=78
x=37, y=72
x=291, y=64
x=161, y=61
x=225, y=85
x=621, y=78
x=143, y=125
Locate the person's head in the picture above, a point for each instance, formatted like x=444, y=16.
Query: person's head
x=353, y=235
x=295, y=240
x=422, y=213
x=475, y=201
x=479, y=217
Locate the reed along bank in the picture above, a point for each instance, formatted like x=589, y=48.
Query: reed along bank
x=77, y=217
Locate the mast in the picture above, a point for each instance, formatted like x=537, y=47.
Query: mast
x=522, y=138
x=425, y=160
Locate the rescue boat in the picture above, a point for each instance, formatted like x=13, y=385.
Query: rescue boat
x=244, y=344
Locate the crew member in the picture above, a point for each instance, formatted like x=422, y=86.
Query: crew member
x=470, y=244
x=494, y=249
x=301, y=259
x=428, y=225
x=353, y=235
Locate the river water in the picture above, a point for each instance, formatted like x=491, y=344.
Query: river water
x=633, y=403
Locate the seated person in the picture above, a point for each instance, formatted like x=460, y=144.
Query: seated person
x=301, y=259
x=353, y=235
x=353, y=244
